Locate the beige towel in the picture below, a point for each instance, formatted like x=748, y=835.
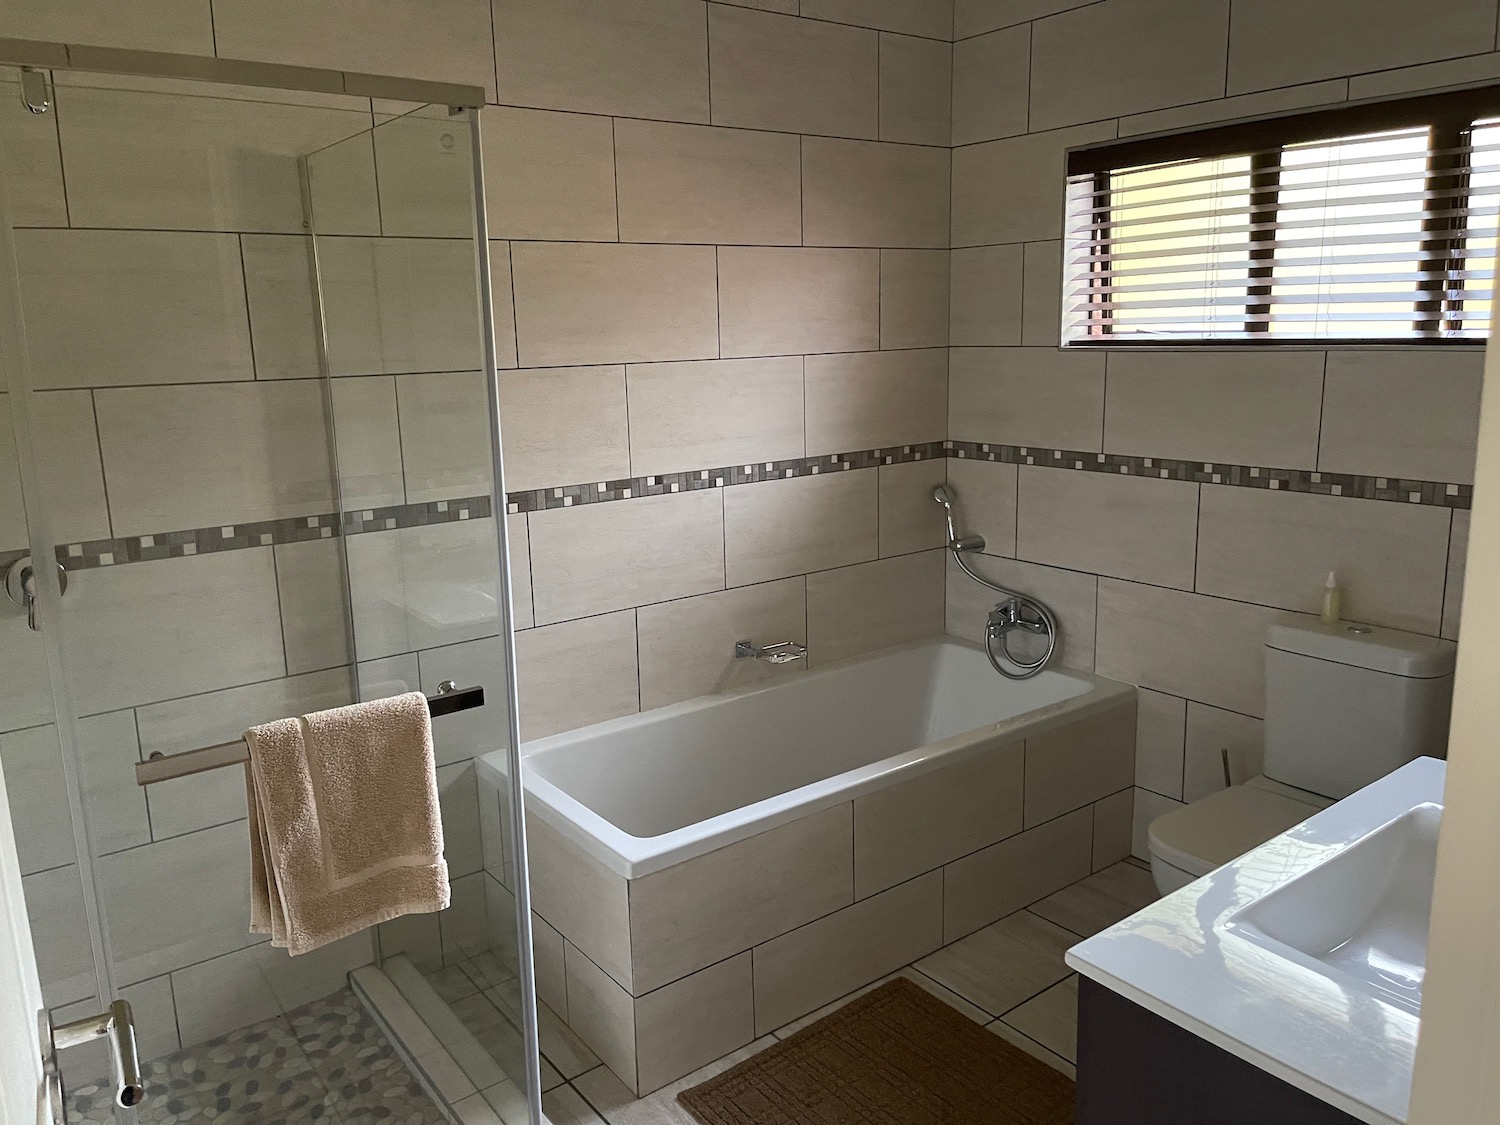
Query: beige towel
x=344, y=823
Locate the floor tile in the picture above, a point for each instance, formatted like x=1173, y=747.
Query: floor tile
x=495, y=1032
x=565, y=1106
x=1101, y=900
x=488, y=971
x=452, y=983
x=1051, y=1019
x=610, y=1097
x=561, y=1047
x=1004, y=964
x=508, y=1100
x=1032, y=1048
x=946, y=995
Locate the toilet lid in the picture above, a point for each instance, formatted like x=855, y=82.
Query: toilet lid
x=1207, y=834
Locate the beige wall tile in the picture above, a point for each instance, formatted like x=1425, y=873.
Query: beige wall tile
x=871, y=193
x=1113, y=828
x=693, y=1021
x=835, y=955
x=871, y=400
x=1128, y=527
x=66, y=447
x=157, y=25
x=702, y=910
x=560, y=426
x=171, y=463
x=910, y=519
x=105, y=308
x=549, y=175
x=775, y=301
x=578, y=896
x=693, y=183
x=687, y=646
x=601, y=1013
x=715, y=413
x=792, y=526
x=1259, y=409
x=1411, y=414
x=1344, y=37
x=1468, y=70
x=368, y=433
x=1027, y=173
x=914, y=298
x=795, y=76
x=445, y=448
x=480, y=662
x=1201, y=648
x=859, y=609
x=786, y=7
x=59, y=934
x=595, y=558
x=33, y=173
x=974, y=17
x=1159, y=739
x=1148, y=806
x=986, y=502
x=1026, y=396
x=991, y=76
x=910, y=17
x=636, y=58
x=424, y=161
x=577, y=673
x=1070, y=596
x=279, y=289
x=1265, y=104
x=503, y=304
x=314, y=599
x=1041, y=318
x=1458, y=550
x=1077, y=764
x=1116, y=59
x=549, y=952
x=988, y=298
x=916, y=826
x=596, y=303
x=1211, y=731
x=986, y=886
x=915, y=80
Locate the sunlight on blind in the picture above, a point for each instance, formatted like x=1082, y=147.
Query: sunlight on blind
x=1478, y=280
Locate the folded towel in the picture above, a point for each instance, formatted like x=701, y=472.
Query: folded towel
x=344, y=823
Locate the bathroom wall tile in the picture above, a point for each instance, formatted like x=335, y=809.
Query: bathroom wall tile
x=786, y=7
x=872, y=193
x=446, y=40
x=1463, y=71
x=1268, y=103
x=1148, y=806
x=1027, y=172
x=1041, y=316
x=990, y=884
x=171, y=462
x=393, y=305
x=1128, y=527
x=693, y=1021
x=390, y=675
x=1255, y=409
x=635, y=58
x=551, y=973
x=574, y=674
x=918, y=825
x=1077, y=764
x=991, y=76
x=910, y=520
x=700, y=911
x=1276, y=548
x=870, y=400
x=315, y=620
x=141, y=159
x=985, y=502
x=596, y=303
x=915, y=80
x=549, y=175
x=775, y=301
x=602, y=1013
x=155, y=1018
x=693, y=183
x=1410, y=414
x=795, y=76
x=143, y=633
x=60, y=934
x=423, y=161
x=478, y=663
x=1026, y=396
x=1211, y=731
x=840, y=623
x=279, y=289
x=687, y=416
x=33, y=175
x=458, y=796
x=586, y=902
x=601, y=557
x=975, y=17
x=914, y=298
x=1453, y=590
x=156, y=25
x=1147, y=55
x=105, y=308
x=176, y=726
x=1345, y=37
x=66, y=446
x=1070, y=595
x=910, y=17
x=792, y=526
x=1161, y=721
x=808, y=967
x=368, y=432
x=1201, y=648
x=421, y=587
x=1113, y=828
x=687, y=646
x=26, y=692
x=561, y=426
x=987, y=297
x=463, y=929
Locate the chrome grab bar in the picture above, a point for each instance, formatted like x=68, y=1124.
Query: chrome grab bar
x=117, y=1024
x=782, y=652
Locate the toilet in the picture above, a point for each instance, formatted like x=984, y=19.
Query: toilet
x=1345, y=705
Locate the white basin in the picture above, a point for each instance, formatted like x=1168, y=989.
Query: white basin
x=1362, y=915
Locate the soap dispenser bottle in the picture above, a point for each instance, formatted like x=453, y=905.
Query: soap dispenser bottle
x=1332, y=597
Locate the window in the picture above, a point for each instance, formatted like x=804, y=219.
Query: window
x=1372, y=223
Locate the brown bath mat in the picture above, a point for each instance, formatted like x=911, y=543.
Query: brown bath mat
x=895, y=1056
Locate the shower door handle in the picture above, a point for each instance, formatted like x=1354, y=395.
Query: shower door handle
x=117, y=1024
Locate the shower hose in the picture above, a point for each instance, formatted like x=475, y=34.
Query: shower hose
x=1007, y=617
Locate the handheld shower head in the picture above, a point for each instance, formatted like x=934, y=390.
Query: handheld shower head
x=944, y=496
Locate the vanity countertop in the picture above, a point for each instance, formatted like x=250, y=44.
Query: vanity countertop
x=1181, y=959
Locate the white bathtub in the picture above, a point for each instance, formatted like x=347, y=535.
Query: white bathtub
x=645, y=792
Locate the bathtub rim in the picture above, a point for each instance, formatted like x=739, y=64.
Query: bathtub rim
x=633, y=857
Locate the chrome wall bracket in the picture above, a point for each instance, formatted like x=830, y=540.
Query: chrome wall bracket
x=20, y=585
x=782, y=652
x=36, y=94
